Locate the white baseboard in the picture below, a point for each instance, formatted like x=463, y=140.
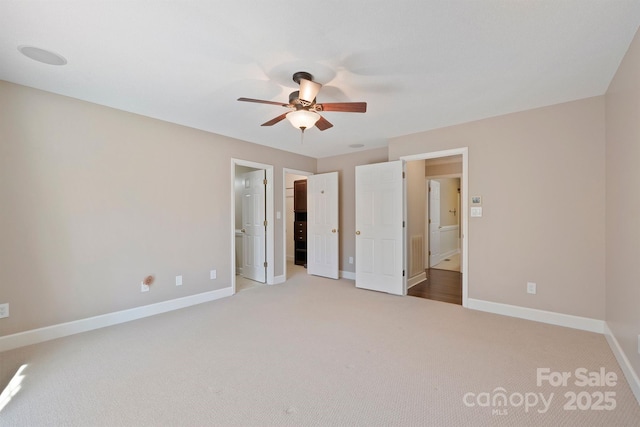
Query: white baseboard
x=348, y=275
x=47, y=333
x=279, y=279
x=628, y=371
x=418, y=278
x=551, y=317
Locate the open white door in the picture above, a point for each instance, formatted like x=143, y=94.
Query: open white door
x=253, y=226
x=322, y=225
x=379, y=227
x=434, y=223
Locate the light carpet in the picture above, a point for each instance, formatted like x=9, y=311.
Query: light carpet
x=315, y=352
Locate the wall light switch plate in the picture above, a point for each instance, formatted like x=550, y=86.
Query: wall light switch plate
x=4, y=310
x=178, y=280
x=143, y=287
x=213, y=274
x=476, y=212
x=531, y=288
x=350, y=260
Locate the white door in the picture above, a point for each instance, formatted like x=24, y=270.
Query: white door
x=379, y=227
x=322, y=225
x=434, y=223
x=253, y=227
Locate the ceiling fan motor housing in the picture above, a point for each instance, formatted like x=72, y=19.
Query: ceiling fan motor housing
x=297, y=103
x=297, y=76
x=294, y=97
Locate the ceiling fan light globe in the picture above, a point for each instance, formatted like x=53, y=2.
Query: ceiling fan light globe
x=303, y=119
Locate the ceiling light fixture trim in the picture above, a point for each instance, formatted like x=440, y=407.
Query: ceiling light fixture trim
x=42, y=55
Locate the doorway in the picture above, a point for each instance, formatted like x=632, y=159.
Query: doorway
x=289, y=177
x=252, y=237
x=444, y=284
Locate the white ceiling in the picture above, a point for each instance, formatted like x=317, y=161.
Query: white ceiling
x=419, y=65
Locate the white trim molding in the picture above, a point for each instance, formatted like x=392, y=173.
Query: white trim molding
x=628, y=371
x=35, y=336
x=349, y=275
x=418, y=278
x=542, y=316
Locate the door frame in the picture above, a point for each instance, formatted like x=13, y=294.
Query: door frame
x=464, y=210
x=286, y=171
x=269, y=253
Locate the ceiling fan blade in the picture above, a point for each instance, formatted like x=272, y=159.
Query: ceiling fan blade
x=309, y=90
x=278, y=119
x=345, y=107
x=260, y=101
x=323, y=124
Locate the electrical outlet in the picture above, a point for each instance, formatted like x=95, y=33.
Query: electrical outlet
x=213, y=274
x=531, y=288
x=4, y=310
x=143, y=287
x=178, y=280
x=350, y=260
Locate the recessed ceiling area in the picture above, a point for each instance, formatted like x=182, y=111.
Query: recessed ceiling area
x=419, y=65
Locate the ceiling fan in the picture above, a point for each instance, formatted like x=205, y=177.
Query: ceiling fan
x=304, y=109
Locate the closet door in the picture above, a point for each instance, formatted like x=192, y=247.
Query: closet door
x=322, y=225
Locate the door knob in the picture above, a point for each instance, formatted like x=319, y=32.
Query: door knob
x=334, y=230
x=243, y=230
x=358, y=233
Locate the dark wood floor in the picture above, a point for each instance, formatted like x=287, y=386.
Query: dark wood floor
x=441, y=285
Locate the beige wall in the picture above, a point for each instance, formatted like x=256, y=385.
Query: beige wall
x=416, y=213
x=623, y=204
x=345, y=166
x=95, y=199
x=443, y=168
x=529, y=167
